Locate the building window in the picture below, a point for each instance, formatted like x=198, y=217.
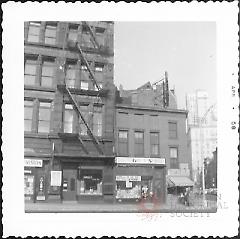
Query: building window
x=44, y=116
x=73, y=33
x=34, y=31
x=85, y=113
x=71, y=74
x=123, y=143
x=154, y=143
x=30, y=70
x=99, y=67
x=28, y=115
x=84, y=85
x=68, y=119
x=97, y=121
x=172, y=128
x=139, y=143
x=99, y=30
x=48, y=67
x=173, y=157
x=50, y=33
x=90, y=181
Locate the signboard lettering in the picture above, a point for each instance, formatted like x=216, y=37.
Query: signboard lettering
x=33, y=163
x=139, y=161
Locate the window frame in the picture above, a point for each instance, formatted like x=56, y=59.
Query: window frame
x=170, y=131
x=31, y=24
x=38, y=117
x=175, y=164
x=33, y=62
x=138, y=142
x=54, y=26
x=51, y=63
x=30, y=119
x=152, y=143
x=123, y=141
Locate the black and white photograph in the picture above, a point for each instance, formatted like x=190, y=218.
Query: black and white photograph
x=123, y=119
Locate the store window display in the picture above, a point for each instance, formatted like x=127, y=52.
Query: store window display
x=89, y=182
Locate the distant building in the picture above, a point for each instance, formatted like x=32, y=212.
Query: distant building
x=202, y=129
x=197, y=105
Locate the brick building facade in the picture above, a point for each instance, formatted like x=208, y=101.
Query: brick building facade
x=69, y=99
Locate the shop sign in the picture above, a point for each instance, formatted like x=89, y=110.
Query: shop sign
x=40, y=197
x=33, y=163
x=128, y=178
x=56, y=178
x=130, y=160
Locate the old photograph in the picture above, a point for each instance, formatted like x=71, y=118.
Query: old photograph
x=103, y=147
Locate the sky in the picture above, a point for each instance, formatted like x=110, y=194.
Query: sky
x=186, y=50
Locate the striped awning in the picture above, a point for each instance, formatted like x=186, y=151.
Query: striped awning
x=179, y=181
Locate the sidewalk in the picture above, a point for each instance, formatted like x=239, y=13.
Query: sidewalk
x=171, y=205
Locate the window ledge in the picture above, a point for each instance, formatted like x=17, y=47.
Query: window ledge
x=39, y=88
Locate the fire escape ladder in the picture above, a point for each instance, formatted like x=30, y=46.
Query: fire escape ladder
x=90, y=133
x=95, y=42
x=87, y=65
x=82, y=144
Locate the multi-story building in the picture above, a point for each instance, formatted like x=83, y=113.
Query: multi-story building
x=69, y=99
x=151, y=143
x=202, y=126
x=197, y=104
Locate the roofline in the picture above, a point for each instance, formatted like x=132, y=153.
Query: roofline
x=139, y=107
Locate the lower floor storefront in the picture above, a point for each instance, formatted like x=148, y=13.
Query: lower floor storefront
x=88, y=180
x=67, y=179
x=140, y=178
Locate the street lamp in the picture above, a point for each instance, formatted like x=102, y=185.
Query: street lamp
x=202, y=120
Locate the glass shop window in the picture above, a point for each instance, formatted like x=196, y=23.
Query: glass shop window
x=28, y=184
x=90, y=181
x=128, y=187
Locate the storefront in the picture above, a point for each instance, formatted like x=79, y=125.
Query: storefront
x=87, y=180
x=35, y=179
x=138, y=178
x=178, y=184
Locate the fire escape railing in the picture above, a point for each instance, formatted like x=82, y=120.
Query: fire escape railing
x=92, y=77
x=95, y=42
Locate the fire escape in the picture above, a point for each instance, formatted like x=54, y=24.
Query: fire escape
x=76, y=47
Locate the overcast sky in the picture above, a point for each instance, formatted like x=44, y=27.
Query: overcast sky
x=186, y=50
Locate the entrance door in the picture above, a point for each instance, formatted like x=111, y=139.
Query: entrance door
x=159, y=189
x=69, y=184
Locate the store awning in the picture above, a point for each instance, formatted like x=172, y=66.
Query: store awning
x=179, y=181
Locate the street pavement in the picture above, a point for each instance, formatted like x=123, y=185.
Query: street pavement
x=171, y=205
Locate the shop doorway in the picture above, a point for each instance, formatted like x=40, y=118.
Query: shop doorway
x=69, y=184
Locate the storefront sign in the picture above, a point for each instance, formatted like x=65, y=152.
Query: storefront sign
x=41, y=198
x=56, y=178
x=33, y=163
x=128, y=178
x=129, y=160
